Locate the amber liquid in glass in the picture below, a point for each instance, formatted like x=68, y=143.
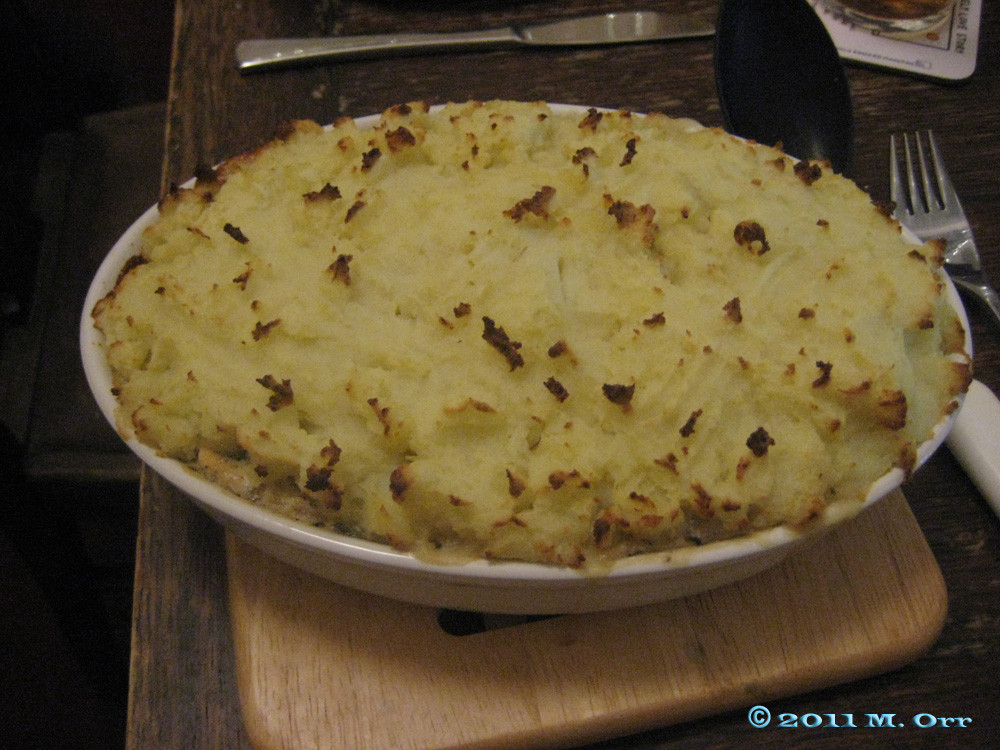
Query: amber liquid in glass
x=897, y=9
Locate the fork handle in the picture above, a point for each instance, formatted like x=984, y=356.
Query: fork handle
x=975, y=441
x=982, y=290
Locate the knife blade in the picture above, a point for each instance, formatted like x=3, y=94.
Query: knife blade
x=610, y=28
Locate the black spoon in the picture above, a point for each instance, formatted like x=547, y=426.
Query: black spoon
x=780, y=80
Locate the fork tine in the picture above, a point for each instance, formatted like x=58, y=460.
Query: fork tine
x=946, y=191
x=942, y=218
x=917, y=198
x=897, y=193
x=928, y=176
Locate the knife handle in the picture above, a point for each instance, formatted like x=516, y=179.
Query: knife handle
x=258, y=54
x=975, y=441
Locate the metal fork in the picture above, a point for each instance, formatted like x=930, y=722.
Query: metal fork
x=927, y=205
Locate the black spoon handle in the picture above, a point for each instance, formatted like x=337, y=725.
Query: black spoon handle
x=780, y=80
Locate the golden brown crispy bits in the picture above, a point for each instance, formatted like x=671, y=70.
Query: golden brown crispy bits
x=582, y=156
x=620, y=395
x=243, y=278
x=759, y=441
x=806, y=313
x=886, y=208
x=733, y=312
x=668, y=462
x=590, y=121
x=470, y=404
x=813, y=510
x=750, y=234
x=702, y=501
x=327, y=193
x=557, y=389
x=499, y=340
x=399, y=482
x=341, y=269
x=512, y=519
x=626, y=214
x=235, y=233
x=605, y=523
x=132, y=263
x=353, y=210
x=937, y=248
x=399, y=139
x=892, y=410
x=318, y=478
x=558, y=349
x=629, y=152
x=538, y=204
x=657, y=319
x=824, y=374
x=807, y=171
x=263, y=329
x=559, y=478
x=331, y=453
x=369, y=158
x=515, y=485
x=855, y=390
x=742, y=466
x=382, y=413
x=687, y=430
x=462, y=309
x=602, y=528
x=281, y=392
x=641, y=500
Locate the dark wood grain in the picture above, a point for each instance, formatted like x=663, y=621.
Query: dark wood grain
x=182, y=680
x=213, y=111
x=183, y=692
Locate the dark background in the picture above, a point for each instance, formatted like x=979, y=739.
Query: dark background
x=83, y=86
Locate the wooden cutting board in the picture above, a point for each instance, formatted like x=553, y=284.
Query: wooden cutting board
x=319, y=665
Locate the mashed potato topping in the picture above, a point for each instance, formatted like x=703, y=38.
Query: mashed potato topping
x=494, y=330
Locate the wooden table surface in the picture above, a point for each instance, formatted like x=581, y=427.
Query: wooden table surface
x=183, y=691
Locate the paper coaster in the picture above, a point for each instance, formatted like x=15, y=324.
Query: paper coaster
x=947, y=51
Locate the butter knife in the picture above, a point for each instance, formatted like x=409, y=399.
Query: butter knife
x=610, y=28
